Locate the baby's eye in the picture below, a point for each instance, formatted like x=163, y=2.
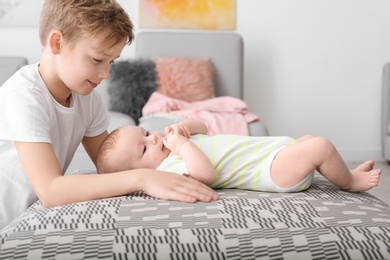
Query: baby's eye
x=146, y=134
x=97, y=60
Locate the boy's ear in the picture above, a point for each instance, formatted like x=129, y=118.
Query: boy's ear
x=54, y=41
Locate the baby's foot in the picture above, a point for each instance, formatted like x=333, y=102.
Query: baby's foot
x=365, y=167
x=363, y=181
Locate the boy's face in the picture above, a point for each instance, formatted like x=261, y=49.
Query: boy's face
x=84, y=65
x=139, y=148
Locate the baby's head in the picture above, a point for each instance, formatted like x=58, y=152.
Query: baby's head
x=86, y=18
x=131, y=147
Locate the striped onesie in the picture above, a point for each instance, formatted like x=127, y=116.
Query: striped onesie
x=242, y=162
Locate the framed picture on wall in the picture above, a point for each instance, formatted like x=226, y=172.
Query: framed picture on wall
x=188, y=14
x=20, y=13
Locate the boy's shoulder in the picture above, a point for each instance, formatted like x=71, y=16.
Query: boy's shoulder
x=25, y=77
x=24, y=87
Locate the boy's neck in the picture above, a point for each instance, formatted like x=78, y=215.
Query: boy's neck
x=55, y=86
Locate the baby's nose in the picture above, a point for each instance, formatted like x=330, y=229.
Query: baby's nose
x=154, y=139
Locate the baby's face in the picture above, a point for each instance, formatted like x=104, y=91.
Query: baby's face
x=139, y=148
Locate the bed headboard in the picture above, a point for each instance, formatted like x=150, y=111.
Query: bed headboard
x=224, y=48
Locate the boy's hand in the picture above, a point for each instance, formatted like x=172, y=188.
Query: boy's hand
x=173, y=186
x=174, y=140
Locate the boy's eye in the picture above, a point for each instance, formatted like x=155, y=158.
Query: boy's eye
x=97, y=60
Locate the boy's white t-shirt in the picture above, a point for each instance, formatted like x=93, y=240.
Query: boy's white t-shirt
x=29, y=113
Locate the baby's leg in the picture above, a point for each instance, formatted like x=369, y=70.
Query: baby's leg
x=293, y=163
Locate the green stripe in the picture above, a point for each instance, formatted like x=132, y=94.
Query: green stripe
x=242, y=172
x=200, y=141
x=235, y=162
x=212, y=158
x=174, y=165
x=257, y=175
x=214, y=149
x=218, y=167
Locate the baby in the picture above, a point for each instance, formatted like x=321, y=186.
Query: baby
x=261, y=163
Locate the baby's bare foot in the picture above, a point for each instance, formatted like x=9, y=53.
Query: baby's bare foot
x=365, y=167
x=363, y=181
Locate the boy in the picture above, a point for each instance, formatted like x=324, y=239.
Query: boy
x=47, y=109
x=276, y=164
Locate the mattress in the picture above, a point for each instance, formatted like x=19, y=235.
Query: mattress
x=320, y=223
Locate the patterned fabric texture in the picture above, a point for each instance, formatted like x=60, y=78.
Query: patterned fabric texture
x=320, y=223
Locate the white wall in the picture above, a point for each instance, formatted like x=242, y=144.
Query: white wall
x=314, y=66
x=311, y=66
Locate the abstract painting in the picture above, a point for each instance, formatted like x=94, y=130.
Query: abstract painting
x=188, y=14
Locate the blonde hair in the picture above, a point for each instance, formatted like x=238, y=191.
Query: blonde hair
x=75, y=18
x=105, y=152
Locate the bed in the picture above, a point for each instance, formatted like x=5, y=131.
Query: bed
x=320, y=223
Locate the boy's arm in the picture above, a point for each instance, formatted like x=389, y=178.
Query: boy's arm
x=92, y=145
x=187, y=128
x=197, y=163
x=53, y=189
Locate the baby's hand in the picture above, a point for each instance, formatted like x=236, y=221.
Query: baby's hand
x=182, y=129
x=173, y=141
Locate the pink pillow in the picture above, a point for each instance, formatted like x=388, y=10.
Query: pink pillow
x=186, y=79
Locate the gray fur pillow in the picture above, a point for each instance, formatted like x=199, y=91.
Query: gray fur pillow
x=131, y=84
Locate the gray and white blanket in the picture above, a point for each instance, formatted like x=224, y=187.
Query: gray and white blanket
x=320, y=223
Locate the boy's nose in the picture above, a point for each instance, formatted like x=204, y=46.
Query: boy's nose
x=104, y=73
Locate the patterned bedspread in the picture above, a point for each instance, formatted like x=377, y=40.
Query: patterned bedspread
x=321, y=223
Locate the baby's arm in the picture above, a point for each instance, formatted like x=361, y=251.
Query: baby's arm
x=187, y=128
x=197, y=163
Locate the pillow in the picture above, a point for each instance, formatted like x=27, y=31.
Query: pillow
x=130, y=86
x=186, y=79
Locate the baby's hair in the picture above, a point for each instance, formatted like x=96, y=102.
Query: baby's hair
x=76, y=18
x=104, y=155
